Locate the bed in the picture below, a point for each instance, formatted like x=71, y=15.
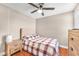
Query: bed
x=39, y=45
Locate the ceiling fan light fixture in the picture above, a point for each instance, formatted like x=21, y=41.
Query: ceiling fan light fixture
x=39, y=11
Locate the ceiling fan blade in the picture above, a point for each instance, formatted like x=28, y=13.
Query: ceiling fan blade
x=48, y=8
x=42, y=14
x=34, y=11
x=33, y=5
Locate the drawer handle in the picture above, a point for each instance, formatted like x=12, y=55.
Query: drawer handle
x=71, y=49
x=72, y=39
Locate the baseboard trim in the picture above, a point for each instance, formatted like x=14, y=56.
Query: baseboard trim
x=64, y=46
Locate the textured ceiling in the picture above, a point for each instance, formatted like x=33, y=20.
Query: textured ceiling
x=26, y=8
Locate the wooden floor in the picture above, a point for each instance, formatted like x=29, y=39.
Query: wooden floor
x=22, y=53
x=63, y=52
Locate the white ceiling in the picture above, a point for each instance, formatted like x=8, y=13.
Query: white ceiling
x=26, y=8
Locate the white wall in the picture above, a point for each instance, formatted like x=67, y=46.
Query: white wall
x=10, y=23
x=76, y=17
x=18, y=21
x=56, y=26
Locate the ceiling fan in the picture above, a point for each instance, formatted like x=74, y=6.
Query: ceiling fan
x=40, y=8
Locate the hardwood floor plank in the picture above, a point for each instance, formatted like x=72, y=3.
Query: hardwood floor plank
x=22, y=53
x=62, y=51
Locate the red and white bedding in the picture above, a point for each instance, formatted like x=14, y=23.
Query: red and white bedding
x=41, y=46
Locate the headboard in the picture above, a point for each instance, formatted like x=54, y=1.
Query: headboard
x=25, y=31
x=22, y=33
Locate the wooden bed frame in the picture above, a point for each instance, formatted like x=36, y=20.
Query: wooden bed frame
x=20, y=33
x=23, y=32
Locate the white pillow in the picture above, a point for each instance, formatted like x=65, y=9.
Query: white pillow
x=33, y=36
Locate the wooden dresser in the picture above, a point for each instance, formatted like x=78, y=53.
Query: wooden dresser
x=13, y=47
x=73, y=39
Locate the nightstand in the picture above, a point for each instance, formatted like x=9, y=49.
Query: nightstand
x=13, y=47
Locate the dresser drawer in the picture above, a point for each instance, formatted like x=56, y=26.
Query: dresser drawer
x=74, y=32
x=73, y=39
x=14, y=44
x=73, y=50
x=14, y=50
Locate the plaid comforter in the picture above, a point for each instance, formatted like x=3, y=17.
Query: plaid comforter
x=42, y=46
